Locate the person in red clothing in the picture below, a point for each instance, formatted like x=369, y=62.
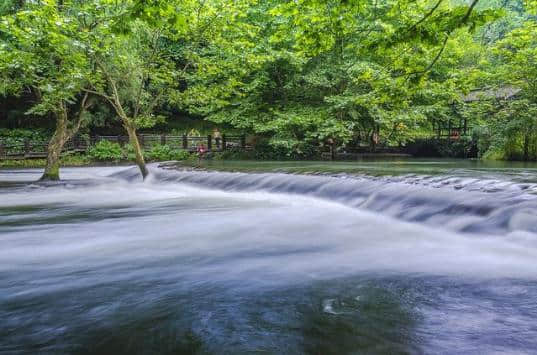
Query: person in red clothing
x=201, y=151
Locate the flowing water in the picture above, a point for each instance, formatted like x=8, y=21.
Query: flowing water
x=427, y=260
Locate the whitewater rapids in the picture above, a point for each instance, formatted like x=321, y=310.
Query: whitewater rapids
x=239, y=263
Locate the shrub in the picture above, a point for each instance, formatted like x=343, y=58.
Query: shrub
x=164, y=152
x=182, y=155
x=462, y=148
x=282, y=149
x=106, y=151
x=15, y=138
x=160, y=152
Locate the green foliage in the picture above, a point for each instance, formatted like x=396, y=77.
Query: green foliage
x=182, y=155
x=296, y=73
x=506, y=128
x=347, y=72
x=510, y=133
x=41, y=50
x=160, y=152
x=465, y=147
x=157, y=152
x=18, y=136
x=67, y=160
x=272, y=150
x=106, y=151
x=128, y=152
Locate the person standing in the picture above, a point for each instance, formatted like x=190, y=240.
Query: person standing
x=201, y=151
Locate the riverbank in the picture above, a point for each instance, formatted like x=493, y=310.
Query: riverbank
x=66, y=161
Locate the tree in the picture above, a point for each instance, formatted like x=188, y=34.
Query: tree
x=40, y=53
x=346, y=70
x=136, y=78
x=299, y=73
x=142, y=62
x=509, y=127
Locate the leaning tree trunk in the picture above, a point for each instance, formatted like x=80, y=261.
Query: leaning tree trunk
x=133, y=140
x=54, y=150
x=128, y=123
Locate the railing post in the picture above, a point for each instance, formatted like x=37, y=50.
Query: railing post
x=223, y=142
x=217, y=142
x=163, y=139
x=141, y=141
x=185, y=142
x=1, y=149
x=26, y=147
x=243, y=141
x=209, y=142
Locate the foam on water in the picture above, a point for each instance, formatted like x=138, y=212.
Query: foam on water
x=263, y=262
x=283, y=221
x=510, y=208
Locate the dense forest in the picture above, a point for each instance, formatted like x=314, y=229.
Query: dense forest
x=452, y=74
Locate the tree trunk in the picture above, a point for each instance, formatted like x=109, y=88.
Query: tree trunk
x=61, y=135
x=129, y=125
x=133, y=140
x=54, y=149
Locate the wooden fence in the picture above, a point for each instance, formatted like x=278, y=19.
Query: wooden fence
x=29, y=149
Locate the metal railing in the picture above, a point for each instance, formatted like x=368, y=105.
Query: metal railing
x=27, y=148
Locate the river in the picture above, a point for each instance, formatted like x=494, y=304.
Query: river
x=420, y=257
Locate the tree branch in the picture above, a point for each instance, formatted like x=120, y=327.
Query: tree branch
x=469, y=12
x=436, y=59
x=463, y=21
x=101, y=94
x=426, y=16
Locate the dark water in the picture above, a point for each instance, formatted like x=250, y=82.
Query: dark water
x=233, y=263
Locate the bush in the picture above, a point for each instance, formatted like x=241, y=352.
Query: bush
x=160, y=152
x=462, y=148
x=15, y=138
x=182, y=155
x=106, y=151
x=271, y=150
x=128, y=152
x=290, y=149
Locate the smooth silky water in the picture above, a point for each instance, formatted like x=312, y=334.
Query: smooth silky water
x=424, y=257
